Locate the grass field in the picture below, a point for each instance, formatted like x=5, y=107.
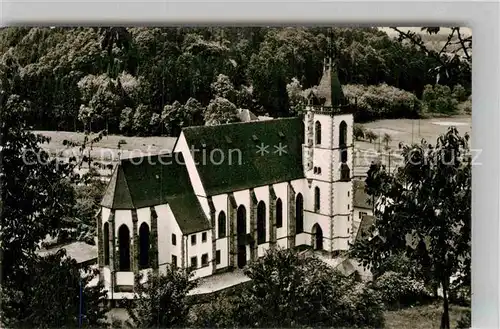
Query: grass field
x=422, y=317
x=400, y=130
x=408, y=131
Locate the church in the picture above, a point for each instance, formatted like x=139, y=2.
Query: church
x=226, y=194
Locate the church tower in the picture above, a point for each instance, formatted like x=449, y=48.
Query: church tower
x=328, y=163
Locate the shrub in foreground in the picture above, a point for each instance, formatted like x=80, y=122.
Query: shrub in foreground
x=399, y=290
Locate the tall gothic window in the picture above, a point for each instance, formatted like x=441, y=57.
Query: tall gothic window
x=124, y=246
x=343, y=141
x=316, y=199
x=106, y=243
x=317, y=132
x=299, y=214
x=261, y=222
x=144, y=246
x=221, y=222
x=279, y=213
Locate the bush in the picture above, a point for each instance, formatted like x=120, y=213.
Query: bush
x=219, y=313
x=460, y=295
x=439, y=99
x=370, y=136
x=359, y=132
x=382, y=102
x=465, y=321
x=465, y=107
x=290, y=291
x=398, y=290
x=459, y=93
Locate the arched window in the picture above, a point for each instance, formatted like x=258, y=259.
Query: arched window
x=279, y=213
x=124, y=246
x=317, y=233
x=144, y=246
x=317, y=132
x=316, y=199
x=343, y=134
x=343, y=141
x=241, y=230
x=299, y=214
x=261, y=222
x=106, y=243
x=221, y=222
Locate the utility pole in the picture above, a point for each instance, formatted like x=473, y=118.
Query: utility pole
x=81, y=305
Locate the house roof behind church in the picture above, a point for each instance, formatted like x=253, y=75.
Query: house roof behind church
x=154, y=180
x=361, y=198
x=250, y=152
x=364, y=227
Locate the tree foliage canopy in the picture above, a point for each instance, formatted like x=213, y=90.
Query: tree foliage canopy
x=423, y=210
x=251, y=67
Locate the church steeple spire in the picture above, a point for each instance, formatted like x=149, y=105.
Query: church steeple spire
x=329, y=87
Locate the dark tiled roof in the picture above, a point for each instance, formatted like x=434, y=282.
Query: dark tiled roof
x=154, y=180
x=366, y=223
x=329, y=87
x=361, y=198
x=254, y=169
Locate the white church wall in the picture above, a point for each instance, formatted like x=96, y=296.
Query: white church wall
x=281, y=191
x=322, y=159
x=342, y=198
x=143, y=216
x=123, y=217
x=300, y=186
x=167, y=225
x=105, y=214
x=124, y=278
x=325, y=197
x=198, y=250
x=182, y=146
x=221, y=244
x=123, y=295
x=311, y=219
x=106, y=273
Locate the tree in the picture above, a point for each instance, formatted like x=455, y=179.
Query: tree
x=177, y=116
x=53, y=293
x=111, y=37
x=288, y=290
x=223, y=87
x=386, y=139
x=141, y=120
x=453, y=60
x=37, y=199
x=220, y=111
x=423, y=210
x=371, y=136
x=100, y=99
x=295, y=96
x=161, y=301
x=358, y=132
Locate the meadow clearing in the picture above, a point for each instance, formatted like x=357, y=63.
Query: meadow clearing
x=406, y=131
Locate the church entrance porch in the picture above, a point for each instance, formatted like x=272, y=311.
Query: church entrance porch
x=317, y=234
x=241, y=242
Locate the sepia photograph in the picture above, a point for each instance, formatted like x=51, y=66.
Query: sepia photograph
x=236, y=177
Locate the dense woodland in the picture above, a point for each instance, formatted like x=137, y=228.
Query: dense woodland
x=151, y=81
